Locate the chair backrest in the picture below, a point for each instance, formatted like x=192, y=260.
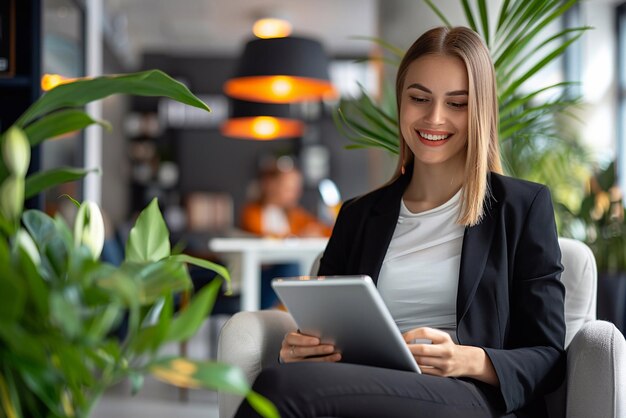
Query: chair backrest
x=580, y=278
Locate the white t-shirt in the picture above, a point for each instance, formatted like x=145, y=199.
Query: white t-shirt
x=274, y=221
x=420, y=273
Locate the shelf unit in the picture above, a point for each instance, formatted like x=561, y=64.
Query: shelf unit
x=19, y=91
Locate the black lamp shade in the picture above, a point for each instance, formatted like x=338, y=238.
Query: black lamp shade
x=281, y=70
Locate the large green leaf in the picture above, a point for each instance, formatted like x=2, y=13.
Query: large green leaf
x=12, y=294
x=40, y=226
x=9, y=398
x=196, y=374
x=121, y=285
x=186, y=323
x=65, y=311
x=42, y=180
x=157, y=279
x=156, y=325
x=23, y=344
x=262, y=405
x=59, y=123
x=38, y=291
x=103, y=321
x=81, y=92
x=209, y=265
x=205, y=374
x=149, y=239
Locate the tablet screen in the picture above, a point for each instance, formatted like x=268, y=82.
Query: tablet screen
x=348, y=312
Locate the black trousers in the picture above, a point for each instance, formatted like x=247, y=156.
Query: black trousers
x=344, y=390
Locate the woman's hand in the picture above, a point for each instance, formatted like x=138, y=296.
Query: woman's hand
x=445, y=358
x=299, y=347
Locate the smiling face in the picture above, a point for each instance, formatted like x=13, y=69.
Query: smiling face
x=433, y=110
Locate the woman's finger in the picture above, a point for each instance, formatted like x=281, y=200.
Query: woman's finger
x=318, y=350
x=433, y=371
x=426, y=333
x=431, y=350
x=332, y=358
x=290, y=353
x=294, y=338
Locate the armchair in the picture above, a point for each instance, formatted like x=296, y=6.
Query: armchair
x=595, y=385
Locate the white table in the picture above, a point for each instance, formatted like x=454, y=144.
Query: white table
x=250, y=253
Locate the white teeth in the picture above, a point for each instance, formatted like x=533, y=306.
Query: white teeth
x=433, y=137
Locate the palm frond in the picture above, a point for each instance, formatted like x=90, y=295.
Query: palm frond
x=438, y=12
x=469, y=15
x=484, y=20
x=398, y=52
x=557, y=52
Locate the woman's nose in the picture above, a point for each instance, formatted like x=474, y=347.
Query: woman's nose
x=436, y=114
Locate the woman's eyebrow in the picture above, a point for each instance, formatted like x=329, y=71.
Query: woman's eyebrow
x=426, y=90
x=419, y=87
x=457, y=93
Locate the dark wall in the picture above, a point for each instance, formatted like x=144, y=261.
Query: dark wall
x=210, y=162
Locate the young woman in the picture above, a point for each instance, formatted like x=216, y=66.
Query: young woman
x=461, y=255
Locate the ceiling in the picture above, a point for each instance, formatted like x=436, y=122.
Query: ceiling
x=222, y=26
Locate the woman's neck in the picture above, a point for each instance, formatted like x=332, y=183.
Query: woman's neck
x=432, y=185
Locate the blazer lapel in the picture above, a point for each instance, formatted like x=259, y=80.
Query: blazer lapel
x=379, y=228
x=476, y=246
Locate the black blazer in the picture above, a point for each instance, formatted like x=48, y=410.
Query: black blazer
x=510, y=298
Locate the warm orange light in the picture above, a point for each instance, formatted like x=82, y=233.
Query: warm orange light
x=50, y=81
x=262, y=128
x=278, y=89
x=271, y=28
x=281, y=86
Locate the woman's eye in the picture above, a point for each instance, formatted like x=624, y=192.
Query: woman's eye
x=457, y=105
x=418, y=99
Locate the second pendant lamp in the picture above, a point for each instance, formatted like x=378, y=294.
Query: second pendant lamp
x=261, y=121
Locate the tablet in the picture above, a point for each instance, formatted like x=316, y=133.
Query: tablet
x=348, y=312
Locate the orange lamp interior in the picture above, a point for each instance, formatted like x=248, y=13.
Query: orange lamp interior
x=262, y=128
x=278, y=89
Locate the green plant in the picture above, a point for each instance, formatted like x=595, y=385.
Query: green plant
x=60, y=305
x=601, y=221
x=533, y=142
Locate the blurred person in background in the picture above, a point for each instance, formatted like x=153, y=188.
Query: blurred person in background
x=276, y=213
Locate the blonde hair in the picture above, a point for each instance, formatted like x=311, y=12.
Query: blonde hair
x=483, y=154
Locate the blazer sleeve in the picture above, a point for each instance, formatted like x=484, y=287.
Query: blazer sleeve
x=532, y=363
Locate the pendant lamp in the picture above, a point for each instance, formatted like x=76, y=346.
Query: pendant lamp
x=261, y=121
x=281, y=70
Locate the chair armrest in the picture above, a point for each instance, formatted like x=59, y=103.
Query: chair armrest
x=251, y=341
x=596, y=372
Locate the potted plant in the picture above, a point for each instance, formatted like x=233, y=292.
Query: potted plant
x=534, y=143
x=59, y=304
x=602, y=226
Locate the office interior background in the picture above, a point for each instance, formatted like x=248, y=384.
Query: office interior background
x=160, y=148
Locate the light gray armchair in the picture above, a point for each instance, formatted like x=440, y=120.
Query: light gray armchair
x=596, y=351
